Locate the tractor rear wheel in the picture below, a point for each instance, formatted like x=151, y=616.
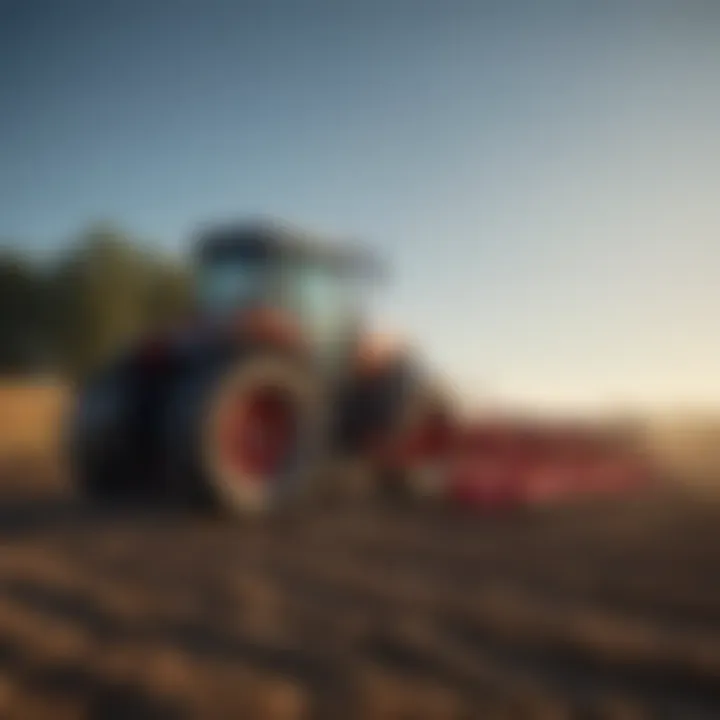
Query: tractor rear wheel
x=245, y=437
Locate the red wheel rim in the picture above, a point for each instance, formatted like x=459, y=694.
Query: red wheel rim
x=258, y=432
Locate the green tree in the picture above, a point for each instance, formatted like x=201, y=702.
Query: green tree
x=104, y=292
x=21, y=314
x=108, y=291
x=100, y=298
x=169, y=296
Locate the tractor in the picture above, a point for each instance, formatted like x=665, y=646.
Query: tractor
x=274, y=378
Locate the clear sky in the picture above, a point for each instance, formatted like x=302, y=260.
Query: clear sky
x=544, y=177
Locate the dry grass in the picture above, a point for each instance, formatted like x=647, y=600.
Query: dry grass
x=688, y=447
x=31, y=422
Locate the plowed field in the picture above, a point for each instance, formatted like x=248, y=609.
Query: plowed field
x=602, y=611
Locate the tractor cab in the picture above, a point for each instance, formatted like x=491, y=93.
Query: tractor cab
x=313, y=285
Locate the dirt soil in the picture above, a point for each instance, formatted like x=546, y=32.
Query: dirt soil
x=610, y=610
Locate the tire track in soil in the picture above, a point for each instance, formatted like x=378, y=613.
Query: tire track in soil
x=538, y=651
x=383, y=611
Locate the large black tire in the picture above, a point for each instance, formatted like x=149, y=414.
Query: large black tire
x=101, y=456
x=200, y=473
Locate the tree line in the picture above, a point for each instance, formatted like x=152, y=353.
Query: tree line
x=67, y=315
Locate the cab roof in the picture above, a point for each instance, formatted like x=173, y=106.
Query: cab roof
x=277, y=241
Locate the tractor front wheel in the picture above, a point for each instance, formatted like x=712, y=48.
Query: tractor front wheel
x=414, y=458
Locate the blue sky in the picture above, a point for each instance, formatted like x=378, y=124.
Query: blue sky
x=542, y=176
